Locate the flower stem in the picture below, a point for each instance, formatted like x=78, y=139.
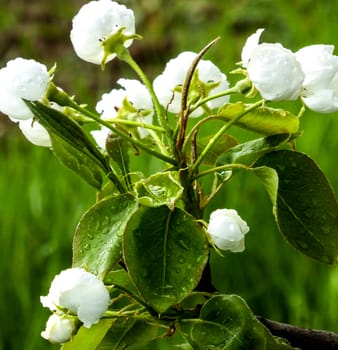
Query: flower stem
x=125, y=136
x=126, y=57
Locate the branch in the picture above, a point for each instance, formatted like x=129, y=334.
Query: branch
x=303, y=338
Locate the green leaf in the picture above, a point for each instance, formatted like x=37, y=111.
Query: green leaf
x=98, y=236
x=127, y=332
x=71, y=144
x=89, y=338
x=77, y=161
x=226, y=322
x=248, y=152
x=165, y=252
x=305, y=207
x=117, y=149
x=159, y=189
x=67, y=129
x=263, y=120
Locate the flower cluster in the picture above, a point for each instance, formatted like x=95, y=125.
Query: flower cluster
x=278, y=74
x=144, y=112
x=74, y=292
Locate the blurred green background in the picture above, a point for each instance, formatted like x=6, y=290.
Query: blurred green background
x=41, y=201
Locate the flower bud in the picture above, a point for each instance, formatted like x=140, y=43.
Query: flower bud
x=59, y=329
x=168, y=85
x=81, y=293
x=227, y=230
x=22, y=79
x=273, y=69
x=96, y=22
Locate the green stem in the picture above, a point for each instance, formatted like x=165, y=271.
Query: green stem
x=216, y=137
x=126, y=57
x=213, y=97
x=123, y=135
x=136, y=124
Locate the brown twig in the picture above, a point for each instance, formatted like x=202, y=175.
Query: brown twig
x=303, y=338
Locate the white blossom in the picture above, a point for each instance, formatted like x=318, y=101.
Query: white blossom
x=95, y=22
x=22, y=79
x=35, y=133
x=111, y=104
x=168, y=85
x=227, y=230
x=273, y=69
x=59, y=329
x=320, y=87
x=80, y=292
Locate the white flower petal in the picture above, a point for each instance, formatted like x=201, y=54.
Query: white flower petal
x=35, y=133
x=249, y=46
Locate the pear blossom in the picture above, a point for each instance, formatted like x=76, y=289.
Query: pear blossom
x=80, y=292
x=22, y=79
x=320, y=87
x=227, y=230
x=168, y=85
x=59, y=329
x=95, y=22
x=273, y=69
x=112, y=105
x=35, y=133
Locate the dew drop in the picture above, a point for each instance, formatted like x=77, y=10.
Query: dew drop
x=181, y=260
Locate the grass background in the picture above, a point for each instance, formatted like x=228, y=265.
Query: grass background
x=41, y=201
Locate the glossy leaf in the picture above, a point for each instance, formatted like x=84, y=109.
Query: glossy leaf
x=98, y=236
x=226, y=322
x=77, y=161
x=89, y=338
x=159, y=189
x=165, y=252
x=263, y=120
x=305, y=207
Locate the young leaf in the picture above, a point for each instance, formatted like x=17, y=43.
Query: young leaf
x=89, y=338
x=98, y=236
x=249, y=152
x=305, y=207
x=263, y=120
x=165, y=252
x=226, y=322
x=67, y=129
x=77, y=161
x=159, y=189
